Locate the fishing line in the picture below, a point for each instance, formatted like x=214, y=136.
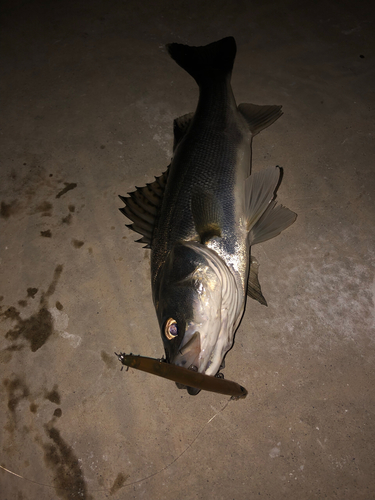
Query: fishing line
x=180, y=455
x=138, y=480
x=31, y=481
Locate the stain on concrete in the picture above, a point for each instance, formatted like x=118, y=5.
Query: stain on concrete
x=60, y=458
x=77, y=243
x=119, y=482
x=46, y=234
x=52, y=287
x=68, y=187
x=67, y=220
x=110, y=361
x=33, y=407
x=31, y=292
x=45, y=208
x=22, y=303
x=71, y=208
x=53, y=395
x=7, y=353
x=59, y=306
x=11, y=313
x=8, y=209
x=16, y=390
x=57, y=413
x=37, y=328
x=34, y=177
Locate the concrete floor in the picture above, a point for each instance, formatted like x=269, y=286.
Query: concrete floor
x=89, y=95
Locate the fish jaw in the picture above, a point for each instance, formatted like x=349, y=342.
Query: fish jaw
x=204, y=353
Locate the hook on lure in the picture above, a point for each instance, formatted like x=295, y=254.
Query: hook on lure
x=183, y=376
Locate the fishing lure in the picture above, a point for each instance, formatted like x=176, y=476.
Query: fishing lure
x=183, y=376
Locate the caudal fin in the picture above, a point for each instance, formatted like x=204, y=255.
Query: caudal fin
x=206, y=62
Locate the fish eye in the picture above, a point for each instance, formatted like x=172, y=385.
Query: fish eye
x=170, y=329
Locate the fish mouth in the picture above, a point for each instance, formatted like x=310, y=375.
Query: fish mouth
x=188, y=353
x=193, y=391
x=191, y=357
x=188, y=357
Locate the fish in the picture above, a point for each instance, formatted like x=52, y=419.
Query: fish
x=203, y=214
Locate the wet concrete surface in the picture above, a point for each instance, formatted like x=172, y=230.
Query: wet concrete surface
x=89, y=96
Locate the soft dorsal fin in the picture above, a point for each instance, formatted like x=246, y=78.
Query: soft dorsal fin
x=180, y=127
x=259, y=117
x=143, y=207
x=253, y=287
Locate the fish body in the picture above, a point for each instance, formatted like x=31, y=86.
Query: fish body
x=201, y=217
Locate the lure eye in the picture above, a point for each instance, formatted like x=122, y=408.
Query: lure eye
x=170, y=329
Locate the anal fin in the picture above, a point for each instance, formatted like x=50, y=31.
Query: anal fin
x=253, y=287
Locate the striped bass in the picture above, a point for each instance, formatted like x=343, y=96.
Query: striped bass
x=202, y=216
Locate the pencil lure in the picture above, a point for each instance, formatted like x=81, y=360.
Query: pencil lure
x=183, y=376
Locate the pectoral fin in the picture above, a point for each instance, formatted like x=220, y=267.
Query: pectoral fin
x=253, y=287
x=207, y=215
x=274, y=220
x=264, y=219
x=260, y=190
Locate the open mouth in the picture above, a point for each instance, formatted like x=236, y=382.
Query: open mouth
x=188, y=354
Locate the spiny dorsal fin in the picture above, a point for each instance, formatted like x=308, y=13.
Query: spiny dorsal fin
x=180, y=127
x=253, y=287
x=143, y=206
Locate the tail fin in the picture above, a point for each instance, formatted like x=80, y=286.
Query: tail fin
x=205, y=62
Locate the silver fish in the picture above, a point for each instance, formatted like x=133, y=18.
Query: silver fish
x=202, y=215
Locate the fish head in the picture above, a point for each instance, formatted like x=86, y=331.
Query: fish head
x=196, y=305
